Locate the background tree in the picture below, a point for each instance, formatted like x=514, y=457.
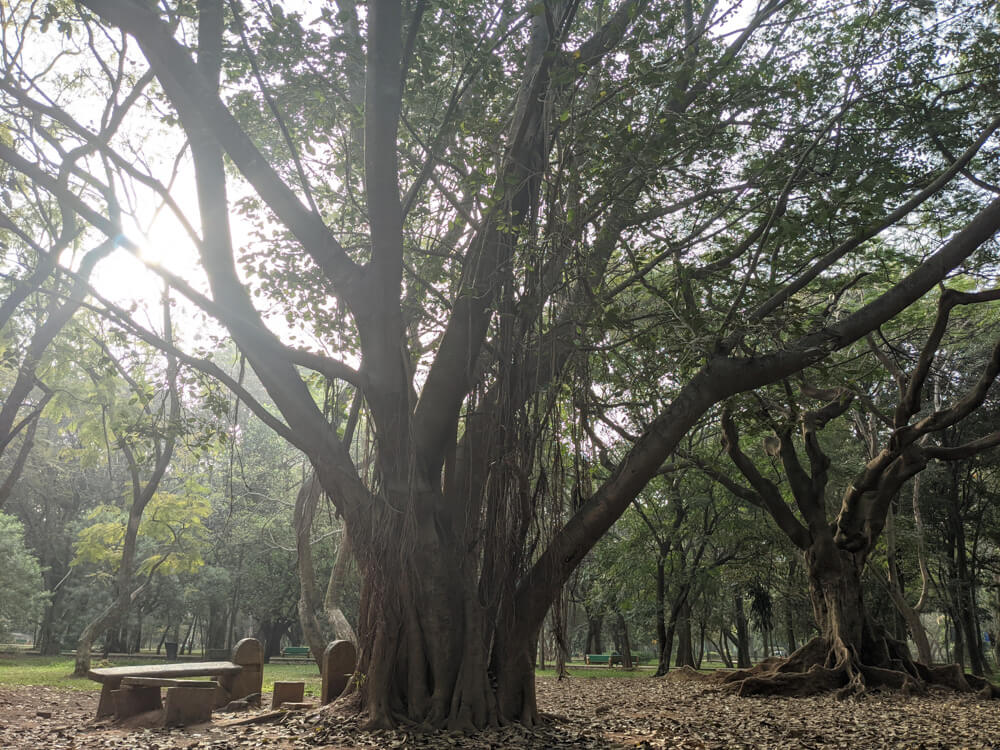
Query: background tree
x=850, y=650
x=24, y=596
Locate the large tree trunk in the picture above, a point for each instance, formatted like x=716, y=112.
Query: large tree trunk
x=216, y=626
x=270, y=633
x=48, y=642
x=850, y=655
x=624, y=643
x=594, y=626
x=425, y=633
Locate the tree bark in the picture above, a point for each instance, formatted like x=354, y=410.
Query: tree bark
x=742, y=634
x=626, y=643
x=685, y=649
x=663, y=657
x=302, y=521
x=594, y=626
x=270, y=633
x=911, y=615
x=333, y=601
x=963, y=582
x=559, y=636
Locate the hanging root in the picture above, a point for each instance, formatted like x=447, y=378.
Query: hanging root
x=823, y=666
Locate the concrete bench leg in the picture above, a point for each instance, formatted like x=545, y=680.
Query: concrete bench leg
x=130, y=701
x=287, y=692
x=106, y=706
x=189, y=705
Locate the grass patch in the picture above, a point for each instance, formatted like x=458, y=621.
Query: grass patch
x=597, y=673
x=56, y=672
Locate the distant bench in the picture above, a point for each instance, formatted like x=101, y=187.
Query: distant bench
x=610, y=659
x=126, y=691
x=295, y=651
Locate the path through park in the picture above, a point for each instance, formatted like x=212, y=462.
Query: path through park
x=580, y=713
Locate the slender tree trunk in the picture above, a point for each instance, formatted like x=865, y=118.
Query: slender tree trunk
x=790, y=642
x=136, y=640
x=966, y=612
x=724, y=654
x=742, y=634
x=594, y=626
x=185, y=644
x=28, y=442
x=233, y=609
x=163, y=637
x=333, y=601
x=995, y=630
x=685, y=650
x=958, y=636
x=663, y=660
x=305, y=511
x=894, y=583
x=94, y=628
x=559, y=635
x=626, y=644
x=48, y=643
x=701, y=645
x=962, y=581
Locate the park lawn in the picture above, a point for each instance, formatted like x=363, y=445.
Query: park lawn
x=594, y=673
x=56, y=672
x=602, y=671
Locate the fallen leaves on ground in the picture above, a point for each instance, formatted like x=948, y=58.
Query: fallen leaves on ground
x=578, y=713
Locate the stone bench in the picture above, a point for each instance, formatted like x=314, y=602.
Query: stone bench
x=133, y=689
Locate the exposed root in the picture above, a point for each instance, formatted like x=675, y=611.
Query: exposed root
x=984, y=689
x=687, y=674
x=817, y=679
x=821, y=667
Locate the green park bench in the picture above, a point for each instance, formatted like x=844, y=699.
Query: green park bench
x=295, y=651
x=602, y=659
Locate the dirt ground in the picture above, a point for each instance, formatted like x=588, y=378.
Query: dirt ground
x=580, y=713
